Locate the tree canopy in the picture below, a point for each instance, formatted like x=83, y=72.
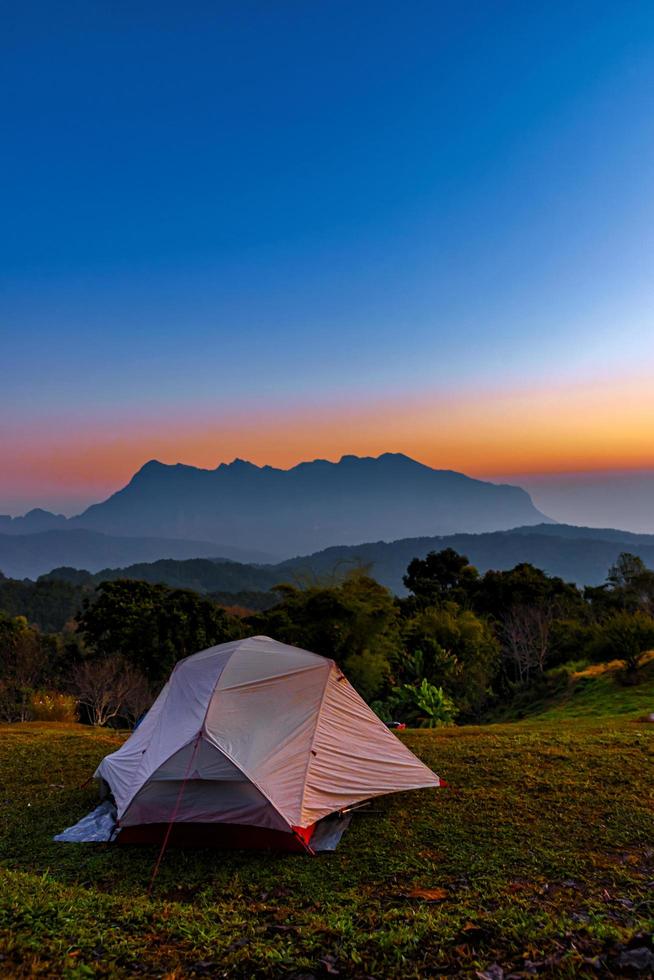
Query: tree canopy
x=459, y=643
x=441, y=575
x=355, y=623
x=153, y=626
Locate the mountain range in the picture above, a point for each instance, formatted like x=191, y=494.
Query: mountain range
x=241, y=527
x=259, y=513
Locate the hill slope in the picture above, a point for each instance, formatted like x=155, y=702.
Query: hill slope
x=199, y=574
x=595, y=692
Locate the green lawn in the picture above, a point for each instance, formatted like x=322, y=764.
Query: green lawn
x=539, y=858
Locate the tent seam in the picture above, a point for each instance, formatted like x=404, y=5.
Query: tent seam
x=195, y=735
x=270, y=677
x=332, y=666
x=154, y=771
x=215, y=687
x=203, y=731
x=253, y=781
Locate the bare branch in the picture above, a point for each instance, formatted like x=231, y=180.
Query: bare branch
x=108, y=688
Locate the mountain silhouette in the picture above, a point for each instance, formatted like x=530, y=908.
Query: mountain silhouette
x=33, y=522
x=309, y=507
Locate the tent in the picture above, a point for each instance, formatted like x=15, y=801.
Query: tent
x=252, y=743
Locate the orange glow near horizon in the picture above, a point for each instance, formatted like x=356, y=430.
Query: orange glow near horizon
x=592, y=428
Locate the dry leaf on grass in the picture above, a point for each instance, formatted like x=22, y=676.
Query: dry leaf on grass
x=429, y=894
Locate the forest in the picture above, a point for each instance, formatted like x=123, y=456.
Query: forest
x=458, y=648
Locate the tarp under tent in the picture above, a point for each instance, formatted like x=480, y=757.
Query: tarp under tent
x=254, y=744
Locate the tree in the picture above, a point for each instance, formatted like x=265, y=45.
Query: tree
x=442, y=575
x=524, y=586
x=625, y=570
x=453, y=648
x=369, y=672
x=107, y=688
x=525, y=635
x=137, y=698
x=571, y=639
x=23, y=666
x=628, y=636
x=48, y=603
x=631, y=583
x=355, y=623
x=153, y=626
x=602, y=601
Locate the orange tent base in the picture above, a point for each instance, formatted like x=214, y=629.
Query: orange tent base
x=222, y=836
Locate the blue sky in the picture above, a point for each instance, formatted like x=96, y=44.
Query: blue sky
x=212, y=209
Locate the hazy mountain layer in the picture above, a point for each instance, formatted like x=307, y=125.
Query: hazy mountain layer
x=574, y=555
x=579, y=558
x=34, y=521
x=31, y=555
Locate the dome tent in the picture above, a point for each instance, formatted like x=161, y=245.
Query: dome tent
x=257, y=740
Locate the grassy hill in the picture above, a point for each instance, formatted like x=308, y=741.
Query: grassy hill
x=591, y=693
x=538, y=858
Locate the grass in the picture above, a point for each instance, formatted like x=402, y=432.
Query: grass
x=539, y=858
x=588, y=693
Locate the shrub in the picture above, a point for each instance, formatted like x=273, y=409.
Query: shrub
x=455, y=649
x=435, y=707
x=52, y=706
x=421, y=705
x=368, y=672
x=572, y=640
x=628, y=636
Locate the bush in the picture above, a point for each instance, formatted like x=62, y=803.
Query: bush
x=368, y=672
x=435, y=707
x=572, y=640
x=52, y=706
x=626, y=636
x=456, y=650
x=419, y=705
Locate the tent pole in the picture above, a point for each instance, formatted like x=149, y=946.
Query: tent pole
x=307, y=847
x=164, y=843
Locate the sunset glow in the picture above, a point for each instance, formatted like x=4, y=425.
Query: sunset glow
x=283, y=263
x=555, y=430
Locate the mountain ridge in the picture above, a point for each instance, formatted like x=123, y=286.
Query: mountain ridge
x=310, y=506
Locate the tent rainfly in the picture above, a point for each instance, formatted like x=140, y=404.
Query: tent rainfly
x=252, y=743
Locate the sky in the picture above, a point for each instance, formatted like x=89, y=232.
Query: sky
x=297, y=230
